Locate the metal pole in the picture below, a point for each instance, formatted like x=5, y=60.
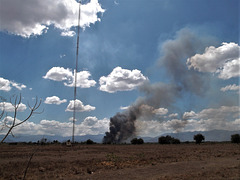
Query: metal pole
x=76, y=70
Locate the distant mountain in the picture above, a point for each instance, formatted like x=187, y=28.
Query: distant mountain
x=214, y=135
x=35, y=138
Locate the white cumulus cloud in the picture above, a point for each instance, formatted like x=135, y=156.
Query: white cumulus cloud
x=68, y=33
x=160, y=111
x=232, y=87
x=6, y=85
x=83, y=80
x=18, y=86
x=8, y=107
x=28, y=17
x=222, y=118
x=173, y=115
x=121, y=80
x=188, y=115
x=223, y=60
x=54, y=100
x=230, y=69
x=59, y=74
x=90, y=126
x=79, y=106
x=66, y=75
x=93, y=125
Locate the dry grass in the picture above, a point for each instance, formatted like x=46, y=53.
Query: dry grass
x=148, y=161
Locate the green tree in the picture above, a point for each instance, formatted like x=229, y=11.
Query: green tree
x=140, y=141
x=235, y=138
x=137, y=141
x=89, y=141
x=198, y=138
x=168, y=140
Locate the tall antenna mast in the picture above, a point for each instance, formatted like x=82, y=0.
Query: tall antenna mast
x=76, y=70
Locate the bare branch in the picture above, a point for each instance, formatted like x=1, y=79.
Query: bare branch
x=16, y=105
x=25, y=172
x=33, y=109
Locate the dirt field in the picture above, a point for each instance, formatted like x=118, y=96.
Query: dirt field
x=148, y=161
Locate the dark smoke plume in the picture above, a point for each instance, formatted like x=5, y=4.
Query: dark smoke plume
x=174, y=55
x=122, y=125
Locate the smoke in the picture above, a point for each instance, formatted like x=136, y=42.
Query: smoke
x=122, y=125
x=174, y=55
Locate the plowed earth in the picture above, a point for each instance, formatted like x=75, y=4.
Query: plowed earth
x=148, y=161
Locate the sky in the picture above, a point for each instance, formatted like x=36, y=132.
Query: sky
x=177, y=61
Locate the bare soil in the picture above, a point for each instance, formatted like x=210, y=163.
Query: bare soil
x=148, y=161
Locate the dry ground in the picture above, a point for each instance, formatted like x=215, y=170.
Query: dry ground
x=149, y=161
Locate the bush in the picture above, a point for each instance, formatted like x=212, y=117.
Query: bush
x=168, y=140
x=89, y=141
x=55, y=142
x=137, y=141
x=235, y=138
x=198, y=138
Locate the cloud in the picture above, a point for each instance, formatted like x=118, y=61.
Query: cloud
x=124, y=107
x=8, y=121
x=68, y=33
x=6, y=85
x=59, y=74
x=54, y=100
x=223, y=60
x=160, y=111
x=71, y=119
x=188, y=115
x=62, y=55
x=173, y=115
x=90, y=126
x=153, y=127
x=62, y=74
x=224, y=118
x=121, y=80
x=116, y=3
x=224, y=112
x=79, y=106
x=149, y=110
x=83, y=80
x=18, y=86
x=230, y=69
x=232, y=87
x=8, y=107
x=34, y=17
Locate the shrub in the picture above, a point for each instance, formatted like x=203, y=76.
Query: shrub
x=168, y=140
x=235, y=138
x=89, y=141
x=55, y=142
x=140, y=141
x=175, y=141
x=137, y=141
x=198, y=138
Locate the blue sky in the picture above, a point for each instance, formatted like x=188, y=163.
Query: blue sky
x=127, y=49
